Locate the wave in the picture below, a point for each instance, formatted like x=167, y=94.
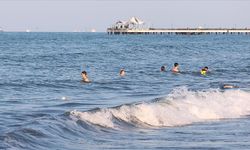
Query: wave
x=180, y=107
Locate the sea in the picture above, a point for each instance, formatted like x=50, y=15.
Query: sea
x=45, y=105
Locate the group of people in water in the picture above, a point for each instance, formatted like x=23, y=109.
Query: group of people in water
x=175, y=69
x=85, y=77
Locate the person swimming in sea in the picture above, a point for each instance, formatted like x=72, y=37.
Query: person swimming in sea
x=204, y=71
x=175, y=69
x=122, y=72
x=85, y=77
x=163, y=68
x=228, y=86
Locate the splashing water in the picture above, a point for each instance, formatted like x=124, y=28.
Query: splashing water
x=181, y=107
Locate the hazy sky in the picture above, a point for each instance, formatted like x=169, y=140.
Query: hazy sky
x=70, y=15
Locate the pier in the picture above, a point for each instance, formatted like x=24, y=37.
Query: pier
x=136, y=26
x=180, y=31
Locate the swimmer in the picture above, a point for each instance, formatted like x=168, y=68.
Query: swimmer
x=204, y=71
x=175, y=69
x=163, y=68
x=85, y=77
x=122, y=72
x=228, y=86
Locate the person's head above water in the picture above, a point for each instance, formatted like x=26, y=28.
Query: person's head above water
x=84, y=73
x=204, y=71
x=175, y=69
x=163, y=68
x=122, y=72
x=85, y=76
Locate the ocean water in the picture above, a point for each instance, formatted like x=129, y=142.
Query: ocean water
x=44, y=105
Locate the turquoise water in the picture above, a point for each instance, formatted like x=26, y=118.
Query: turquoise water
x=44, y=104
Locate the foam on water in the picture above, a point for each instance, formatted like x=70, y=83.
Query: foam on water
x=180, y=107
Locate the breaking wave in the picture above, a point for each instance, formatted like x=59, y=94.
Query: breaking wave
x=180, y=107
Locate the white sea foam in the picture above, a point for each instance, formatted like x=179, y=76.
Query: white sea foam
x=181, y=107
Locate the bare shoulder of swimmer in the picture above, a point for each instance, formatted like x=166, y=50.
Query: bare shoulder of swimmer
x=228, y=86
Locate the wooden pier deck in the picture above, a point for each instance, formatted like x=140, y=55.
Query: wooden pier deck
x=181, y=31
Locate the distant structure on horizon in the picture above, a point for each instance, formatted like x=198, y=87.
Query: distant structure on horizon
x=132, y=24
x=27, y=30
x=137, y=26
x=90, y=30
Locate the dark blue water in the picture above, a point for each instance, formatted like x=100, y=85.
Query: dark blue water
x=44, y=104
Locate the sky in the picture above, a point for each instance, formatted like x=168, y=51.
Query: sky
x=84, y=15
